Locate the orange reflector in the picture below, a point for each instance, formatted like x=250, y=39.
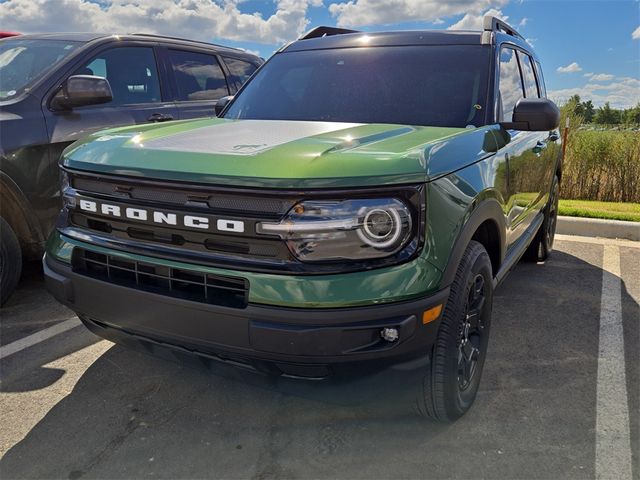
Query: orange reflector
x=431, y=314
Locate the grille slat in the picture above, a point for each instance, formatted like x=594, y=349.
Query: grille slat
x=173, y=282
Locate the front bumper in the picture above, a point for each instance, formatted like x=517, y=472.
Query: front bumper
x=299, y=342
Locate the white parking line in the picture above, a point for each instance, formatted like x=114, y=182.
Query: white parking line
x=38, y=337
x=613, y=444
x=598, y=240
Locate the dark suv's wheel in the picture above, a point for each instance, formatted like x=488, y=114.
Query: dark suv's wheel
x=542, y=244
x=10, y=261
x=451, y=383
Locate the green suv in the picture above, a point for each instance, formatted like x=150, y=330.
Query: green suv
x=353, y=207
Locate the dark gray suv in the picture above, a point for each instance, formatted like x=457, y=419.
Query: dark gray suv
x=56, y=88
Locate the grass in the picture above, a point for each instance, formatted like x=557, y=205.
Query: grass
x=595, y=209
x=602, y=165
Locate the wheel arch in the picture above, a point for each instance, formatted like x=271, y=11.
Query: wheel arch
x=17, y=212
x=485, y=224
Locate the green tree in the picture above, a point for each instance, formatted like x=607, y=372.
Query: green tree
x=588, y=111
x=606, y=115
x=632, y=115
x=574, y=106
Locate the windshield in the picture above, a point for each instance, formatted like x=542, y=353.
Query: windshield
x=23, y=61
x=417, y=85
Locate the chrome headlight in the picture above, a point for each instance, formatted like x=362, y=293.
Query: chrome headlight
x=327, y=230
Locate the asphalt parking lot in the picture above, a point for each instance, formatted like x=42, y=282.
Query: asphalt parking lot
x=559, y=398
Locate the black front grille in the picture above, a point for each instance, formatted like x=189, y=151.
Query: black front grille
x=271, y=207
x=172, y=282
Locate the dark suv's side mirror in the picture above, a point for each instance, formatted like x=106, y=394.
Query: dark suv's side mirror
x=534, y=115
x=223, y=102
x=80, y=90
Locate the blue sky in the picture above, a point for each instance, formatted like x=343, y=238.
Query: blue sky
x=587, y=47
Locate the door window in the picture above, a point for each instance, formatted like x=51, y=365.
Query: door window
x=198, y=76
x=510, y=86
x=239, y=69
x=131, y=71
x=530, y=88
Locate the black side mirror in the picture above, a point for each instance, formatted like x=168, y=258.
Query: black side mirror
x=80, y=90
x=534, y=115
x=223, y=102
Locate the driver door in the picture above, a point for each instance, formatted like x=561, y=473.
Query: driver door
x=137, y=96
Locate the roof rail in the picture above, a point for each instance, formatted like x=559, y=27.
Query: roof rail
x=492, y=24
x=324, y=31
x=153, y=35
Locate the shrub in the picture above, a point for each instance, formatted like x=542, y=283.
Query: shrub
x=602, y=165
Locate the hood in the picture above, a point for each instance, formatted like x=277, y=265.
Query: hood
x=266, y=153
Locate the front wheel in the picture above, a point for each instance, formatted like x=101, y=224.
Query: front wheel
x=10, y=261
x=453, y=376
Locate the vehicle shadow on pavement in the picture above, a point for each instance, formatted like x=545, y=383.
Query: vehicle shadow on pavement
x=31, y=309
x=132, y=415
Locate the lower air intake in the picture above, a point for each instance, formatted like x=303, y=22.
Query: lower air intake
x=172, y=282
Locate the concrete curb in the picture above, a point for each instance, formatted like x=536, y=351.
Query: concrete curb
x=594, y=227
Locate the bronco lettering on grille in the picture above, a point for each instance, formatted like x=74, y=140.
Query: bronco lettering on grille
x=159, y=217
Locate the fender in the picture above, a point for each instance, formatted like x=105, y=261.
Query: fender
x=16, y=209
x=488, y=209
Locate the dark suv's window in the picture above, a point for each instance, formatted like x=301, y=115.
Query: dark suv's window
x=510, y=85
x=131, y=71
x=416, y=85
x=198, y=76
x=23, y=62
x=240, y=70
x=530, y=88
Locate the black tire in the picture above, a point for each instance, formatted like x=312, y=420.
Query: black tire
x=542, y=245
x=453, y=376
x=10, y=261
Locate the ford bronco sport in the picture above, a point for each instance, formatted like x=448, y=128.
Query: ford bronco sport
x=356, y=205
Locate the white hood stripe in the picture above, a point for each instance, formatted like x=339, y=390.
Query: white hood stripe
x=244, y=137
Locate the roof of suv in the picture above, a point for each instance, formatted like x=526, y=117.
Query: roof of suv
x=91, y=37
x=401, y=38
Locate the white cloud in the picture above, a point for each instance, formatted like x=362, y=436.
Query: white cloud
x=523, y=22
x=636, y=34
x=474, y=22
x=590, y=74
x=374, y=12
x=623, y=92
x=198, y=19
x=438, y=21
x=571, y=68
x=601, y=77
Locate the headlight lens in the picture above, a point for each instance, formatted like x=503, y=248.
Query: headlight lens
x=326, y=230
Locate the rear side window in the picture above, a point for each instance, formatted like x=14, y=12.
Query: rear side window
x=198, y=76
x=239, y=70
x=131, y=72
x=541, y=85
x=510, y=86
x=529, y=78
